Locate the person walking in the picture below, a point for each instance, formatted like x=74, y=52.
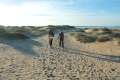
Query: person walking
x=50, y=36
x=61, y=39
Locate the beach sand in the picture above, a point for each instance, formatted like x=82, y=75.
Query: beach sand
x=34, y=60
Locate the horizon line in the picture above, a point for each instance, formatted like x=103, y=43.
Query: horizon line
x=65, y=25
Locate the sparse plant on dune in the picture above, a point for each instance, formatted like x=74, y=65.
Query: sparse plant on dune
x=20, y=36
x=116, y=41
x=38, y=33
x=7, y=34
x=13, y=36
x=98, y=31
x=95, y=34
x=103, y=38
x=104, y=31
x=82, y=37
x=116, y=35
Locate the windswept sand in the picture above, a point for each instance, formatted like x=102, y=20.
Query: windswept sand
x=17, y=62
x=103, y=48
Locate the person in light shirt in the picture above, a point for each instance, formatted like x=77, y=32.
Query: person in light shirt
x=50, y=36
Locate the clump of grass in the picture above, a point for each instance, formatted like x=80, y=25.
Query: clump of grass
x=104, y=31
x=13, y=36
x=5, y=34
x=116, y=41
x=98, y=31
x=19, y=36
x=84, y=38
x=96, y=34
x=116, y=35
x=38, y=33
x=103, y=38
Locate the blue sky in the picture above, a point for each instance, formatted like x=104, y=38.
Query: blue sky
x=60, y=12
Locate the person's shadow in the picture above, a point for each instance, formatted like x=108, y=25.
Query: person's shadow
x=23, y=45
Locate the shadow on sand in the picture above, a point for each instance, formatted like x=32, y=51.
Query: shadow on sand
x=109, y=58
x=23, y=45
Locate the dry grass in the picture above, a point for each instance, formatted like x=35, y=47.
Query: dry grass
x=13, y=36
x=85, y=38
x=95, y=34
x=116, y=41
x=103, y=38
x=98, y=31
x=116, y=35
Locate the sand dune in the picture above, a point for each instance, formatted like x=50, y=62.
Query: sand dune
x=32, y=59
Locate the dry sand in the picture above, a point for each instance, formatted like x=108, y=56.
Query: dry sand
x=29, y=60
x=103, y=48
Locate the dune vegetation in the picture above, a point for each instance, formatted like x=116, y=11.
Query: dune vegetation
x=85, y=35
x=26, y=55
x=96, y=34
x=23, y=32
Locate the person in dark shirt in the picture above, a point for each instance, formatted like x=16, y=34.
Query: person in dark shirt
x=61, y=39
x=50, y=36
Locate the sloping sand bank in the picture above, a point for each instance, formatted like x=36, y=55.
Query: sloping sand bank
x=34, y=60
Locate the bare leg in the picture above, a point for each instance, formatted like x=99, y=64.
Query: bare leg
x=62, y=44
x=50, y=42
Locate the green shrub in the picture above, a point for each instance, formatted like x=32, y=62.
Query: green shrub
x=104, y=31
x=98, y=31
x=82, y=37
x=103, y=38
x=38, y=33
x=7, y=35
x=116, y=35
x=86, y=39
x=19, y=36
